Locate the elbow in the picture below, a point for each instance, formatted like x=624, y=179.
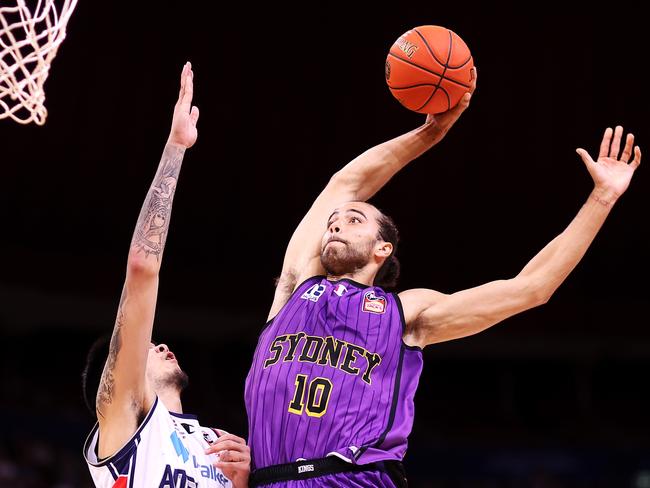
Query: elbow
x=537, y=292
x=343, y=178
x=141, y=265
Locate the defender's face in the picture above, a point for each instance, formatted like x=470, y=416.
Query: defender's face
x=351, y=233
x=161, y=363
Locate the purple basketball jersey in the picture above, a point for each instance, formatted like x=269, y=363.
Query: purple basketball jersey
x=332, y=376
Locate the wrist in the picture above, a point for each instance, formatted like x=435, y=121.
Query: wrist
x=174, y=143
x=429, y=134
x=604, y=196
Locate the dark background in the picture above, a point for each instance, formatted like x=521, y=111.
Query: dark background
x=555, y=397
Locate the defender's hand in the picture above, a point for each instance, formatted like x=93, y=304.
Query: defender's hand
x=441, y=123
x=234, y=458
x=183, y=132
x=611, y=173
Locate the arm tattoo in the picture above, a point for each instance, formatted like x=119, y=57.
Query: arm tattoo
x=105, y=391
x=151, y=230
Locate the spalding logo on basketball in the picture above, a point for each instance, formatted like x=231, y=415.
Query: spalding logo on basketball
x=429, y=69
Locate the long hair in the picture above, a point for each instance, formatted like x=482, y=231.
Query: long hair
x=388, y=274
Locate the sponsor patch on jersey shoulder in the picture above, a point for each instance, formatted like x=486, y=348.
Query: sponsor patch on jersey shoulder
x=373, y=303
x=314, y=293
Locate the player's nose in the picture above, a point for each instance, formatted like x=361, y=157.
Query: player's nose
x=335, y=228
x=162, y=348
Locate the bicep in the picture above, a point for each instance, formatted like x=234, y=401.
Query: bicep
x=470, y=311
x=302, y=257
x=123, y=383
x=305, y=243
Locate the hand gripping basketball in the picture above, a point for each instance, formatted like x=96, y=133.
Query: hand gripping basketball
x=183, y=131
x=442, y=122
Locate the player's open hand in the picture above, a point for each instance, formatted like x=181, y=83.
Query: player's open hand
x=234, y=458
x=441, y=123
x=183, y=130
x=612, y=173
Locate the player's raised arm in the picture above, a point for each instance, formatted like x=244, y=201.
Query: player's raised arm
x=357, y=181
x=435, y=317
x=123, y=393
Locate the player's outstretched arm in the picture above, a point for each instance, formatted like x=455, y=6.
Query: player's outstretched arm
x=370, y=171
x=359, y=180
x=123, y=393
x=435, y=317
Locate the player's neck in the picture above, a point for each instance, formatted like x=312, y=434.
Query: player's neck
x=171, y=398
x=363, y=276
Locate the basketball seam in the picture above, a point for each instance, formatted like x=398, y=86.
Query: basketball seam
x=444, y=70
x=462, y=64
x=429, y=47
x=411, y=86
x=447, y=65
x=451, y=80
x=448, y=98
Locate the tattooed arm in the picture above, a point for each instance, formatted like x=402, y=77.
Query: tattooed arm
x=124, y=395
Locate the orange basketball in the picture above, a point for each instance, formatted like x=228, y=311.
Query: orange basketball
x=428, y=69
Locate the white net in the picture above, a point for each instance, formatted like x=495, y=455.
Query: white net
x=30, y=35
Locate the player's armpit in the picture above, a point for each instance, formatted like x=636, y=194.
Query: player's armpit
x=433, y=317
x=302, y=257
x=123, y=393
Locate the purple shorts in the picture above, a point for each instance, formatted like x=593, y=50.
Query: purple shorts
x=362, y=479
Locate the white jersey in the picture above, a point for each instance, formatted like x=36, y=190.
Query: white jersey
x=167, y=451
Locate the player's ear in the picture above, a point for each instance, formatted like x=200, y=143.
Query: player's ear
x=383, y=249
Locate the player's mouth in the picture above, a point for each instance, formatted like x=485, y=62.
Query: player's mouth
x=335, y=239
x=170, y=357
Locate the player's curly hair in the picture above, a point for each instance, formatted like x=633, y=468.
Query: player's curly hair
x=92, y=372
x=388, y=274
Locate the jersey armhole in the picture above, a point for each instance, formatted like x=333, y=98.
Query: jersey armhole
x=398, y=301
x=289, y=299
x=133, y=440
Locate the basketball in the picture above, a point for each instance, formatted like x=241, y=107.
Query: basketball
x=428, y=69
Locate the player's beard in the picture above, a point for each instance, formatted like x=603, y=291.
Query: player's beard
x=179, y=379
x=176, y=380
x=340, y=259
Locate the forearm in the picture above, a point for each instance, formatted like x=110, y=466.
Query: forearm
x=369, y=172
x=151, y=230
x=550, y=267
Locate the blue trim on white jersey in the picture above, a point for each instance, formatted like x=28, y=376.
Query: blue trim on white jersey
x=188, y=416
x=131, y=442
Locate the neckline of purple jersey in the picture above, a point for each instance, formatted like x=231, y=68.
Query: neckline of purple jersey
x=355, y=283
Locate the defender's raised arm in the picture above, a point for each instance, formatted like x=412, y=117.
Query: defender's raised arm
x=123, y=393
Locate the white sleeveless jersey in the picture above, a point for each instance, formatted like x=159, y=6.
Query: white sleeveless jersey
x=167, y=451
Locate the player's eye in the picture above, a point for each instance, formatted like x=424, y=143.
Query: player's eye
x=354, y=219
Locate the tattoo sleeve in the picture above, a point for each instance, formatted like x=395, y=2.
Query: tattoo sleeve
x=105, y=390
x=153, y=223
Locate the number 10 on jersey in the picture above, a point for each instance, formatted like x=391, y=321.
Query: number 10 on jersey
x=318, y=396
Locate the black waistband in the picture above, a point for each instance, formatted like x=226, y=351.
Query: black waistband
x=302, y=470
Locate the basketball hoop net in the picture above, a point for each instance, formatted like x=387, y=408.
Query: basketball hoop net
x=29, y=40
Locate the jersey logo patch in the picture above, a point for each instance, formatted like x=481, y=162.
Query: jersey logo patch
x=206, y=437
x=180, y=449
x=373, y=304
x=340, y=290
x=314, y=293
